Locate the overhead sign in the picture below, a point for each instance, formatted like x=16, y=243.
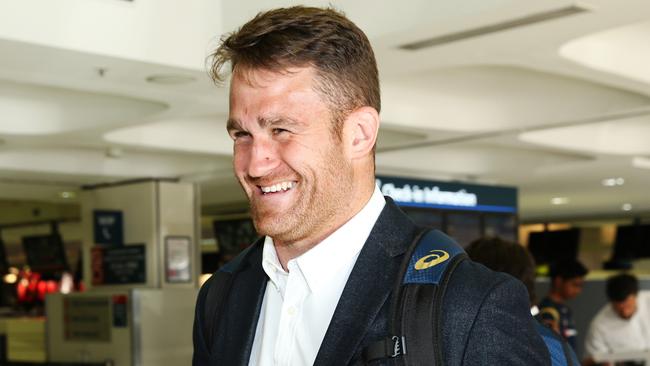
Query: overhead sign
x=449, y=196
x=108, y=227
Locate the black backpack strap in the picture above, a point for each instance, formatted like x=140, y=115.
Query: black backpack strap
x=417, y=302
x=220, y=284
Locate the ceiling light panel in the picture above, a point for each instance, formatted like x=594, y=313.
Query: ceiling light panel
x=623, y=137
x=471, y=159
x=496, y=27
x=641, y=162
x=559, y=200
x=198, y=135
x=92, y=162
x=492, y=98
x=624, y=51
x=38, y=110
x=613, y=182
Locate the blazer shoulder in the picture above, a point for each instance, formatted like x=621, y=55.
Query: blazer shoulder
x=486, y=319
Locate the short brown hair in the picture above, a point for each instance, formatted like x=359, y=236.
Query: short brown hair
x=304, y=36
x=505, y=256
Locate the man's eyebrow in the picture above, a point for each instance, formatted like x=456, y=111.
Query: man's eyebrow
x=264, y=122
x=232, y=124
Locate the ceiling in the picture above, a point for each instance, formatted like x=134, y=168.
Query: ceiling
x=552, y=97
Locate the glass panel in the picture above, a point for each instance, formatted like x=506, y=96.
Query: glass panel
x=464, y=227
x=503, y=226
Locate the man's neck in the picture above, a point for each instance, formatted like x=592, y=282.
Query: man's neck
x=287, y=251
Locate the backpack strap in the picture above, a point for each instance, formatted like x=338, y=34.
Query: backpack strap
x=561, y=353
x=417, y=302
x=218, y=290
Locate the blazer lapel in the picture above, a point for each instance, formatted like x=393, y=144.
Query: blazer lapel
x=244, y=304
x=368, y=288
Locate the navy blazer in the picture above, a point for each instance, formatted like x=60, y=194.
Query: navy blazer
x=485, y=317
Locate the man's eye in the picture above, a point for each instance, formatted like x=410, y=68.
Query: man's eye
x=239, y=134
x=277, y=131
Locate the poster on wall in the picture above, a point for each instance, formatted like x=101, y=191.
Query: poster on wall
x=86, y=319
x=108, y=227
x=177, y=259
x=118, y=265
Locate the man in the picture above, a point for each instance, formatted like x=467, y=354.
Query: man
x=316, y=290
x=505, y=256
x=567, y=279
x=623, y=325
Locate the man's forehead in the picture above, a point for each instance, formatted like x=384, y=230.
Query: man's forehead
x=264, y=77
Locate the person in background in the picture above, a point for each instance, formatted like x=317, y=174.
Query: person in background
x=508, y=257
x=512, y=258
x=567, y=278
x=623, y=325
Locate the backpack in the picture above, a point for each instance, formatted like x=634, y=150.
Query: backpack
x=419, y=290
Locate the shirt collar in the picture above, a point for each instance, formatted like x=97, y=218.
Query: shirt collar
x=336, y=252
x=271, y=263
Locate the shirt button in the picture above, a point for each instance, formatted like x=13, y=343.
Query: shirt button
x=291, y=310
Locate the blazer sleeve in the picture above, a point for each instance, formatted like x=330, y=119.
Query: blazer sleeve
x=201, y=354
x=503, y=332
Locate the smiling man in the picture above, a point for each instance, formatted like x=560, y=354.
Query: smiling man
x=317, y=288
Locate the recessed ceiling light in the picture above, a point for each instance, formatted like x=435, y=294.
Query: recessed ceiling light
x=170, y=79
x=114, y=152
x=641, y=162
x=559, y=200
x=67, y=194
x=613, y=182
x=626, y=207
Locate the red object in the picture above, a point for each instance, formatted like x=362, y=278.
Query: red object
x=52, y=286
x=42, y=287
x=119, y=299
x=21, y=291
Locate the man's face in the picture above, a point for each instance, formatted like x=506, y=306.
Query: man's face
x=570, y=288
x=626, y=308
x=296, y=173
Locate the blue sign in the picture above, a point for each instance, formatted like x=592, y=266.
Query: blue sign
x=108, y=227
x=449, y=196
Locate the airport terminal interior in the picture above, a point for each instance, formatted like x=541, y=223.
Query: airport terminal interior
x=526, y=120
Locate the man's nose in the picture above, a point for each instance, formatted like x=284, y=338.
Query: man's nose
x=263, y=158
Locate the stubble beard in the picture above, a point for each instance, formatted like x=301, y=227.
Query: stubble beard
x=316, y=209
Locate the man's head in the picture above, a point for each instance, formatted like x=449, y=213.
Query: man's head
x=304, y=102
x=622, y=291
x=567, y=278
x=504, y=256
x=279, y=40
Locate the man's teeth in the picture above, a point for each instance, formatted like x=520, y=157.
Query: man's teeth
x=284, y=186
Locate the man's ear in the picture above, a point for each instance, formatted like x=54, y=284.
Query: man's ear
x=361, y=128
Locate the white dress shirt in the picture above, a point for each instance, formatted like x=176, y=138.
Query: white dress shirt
x=609, y=333
x=298, y=305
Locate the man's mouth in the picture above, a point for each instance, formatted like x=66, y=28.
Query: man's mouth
x=278, y=187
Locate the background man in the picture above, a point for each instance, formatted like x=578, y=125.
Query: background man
x=567, y=279
x=623, y=324
x=316, y=290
